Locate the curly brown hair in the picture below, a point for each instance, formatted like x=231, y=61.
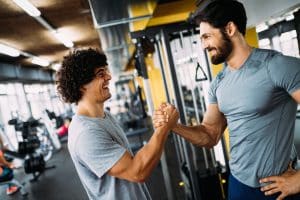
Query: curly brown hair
x=78, y=68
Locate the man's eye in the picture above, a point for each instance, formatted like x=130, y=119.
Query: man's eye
x=100, y=74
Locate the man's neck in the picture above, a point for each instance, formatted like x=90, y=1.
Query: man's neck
x=90, y=109
x=240, y=53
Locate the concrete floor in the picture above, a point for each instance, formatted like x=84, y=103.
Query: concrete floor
x=60, y=183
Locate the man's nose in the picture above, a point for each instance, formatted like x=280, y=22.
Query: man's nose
x=108, y=76
x=204, y=45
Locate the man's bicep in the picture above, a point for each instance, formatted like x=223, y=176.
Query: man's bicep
x=214, y=119
x=213, y=115
x=99, y=152
x=122, y=168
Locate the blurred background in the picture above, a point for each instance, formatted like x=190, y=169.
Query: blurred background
x=155, y=55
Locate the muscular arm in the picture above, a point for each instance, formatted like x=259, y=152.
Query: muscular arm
x=208, y=133
x=139, y=167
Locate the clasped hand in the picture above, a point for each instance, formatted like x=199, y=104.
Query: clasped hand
x=165, y=115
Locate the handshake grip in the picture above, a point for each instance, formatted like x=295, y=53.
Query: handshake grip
x=165, y=115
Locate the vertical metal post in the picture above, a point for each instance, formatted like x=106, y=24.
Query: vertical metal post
x=208, y=68
x=193, y=175
x=26, y=99
x=178, y=139
x=196, y=106
x=158, y=47
x=50, y=97
x=163, y=160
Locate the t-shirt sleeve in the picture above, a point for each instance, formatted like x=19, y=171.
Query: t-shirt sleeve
x=98, y=151
x=212, y=97
x=285, y=72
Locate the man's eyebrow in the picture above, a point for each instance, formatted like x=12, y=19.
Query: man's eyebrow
x=102, y=69
x=203, y=35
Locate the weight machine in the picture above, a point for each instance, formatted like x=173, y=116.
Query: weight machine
x=30, y=147
x=177, y=49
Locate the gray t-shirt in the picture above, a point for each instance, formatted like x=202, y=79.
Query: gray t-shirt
x=95, y=145
x=256, y=101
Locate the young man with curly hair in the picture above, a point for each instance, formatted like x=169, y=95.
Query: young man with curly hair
x=98, y=146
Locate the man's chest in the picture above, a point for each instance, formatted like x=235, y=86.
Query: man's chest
x=247, y=93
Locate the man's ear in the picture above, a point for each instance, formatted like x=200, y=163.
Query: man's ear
x=231, y=29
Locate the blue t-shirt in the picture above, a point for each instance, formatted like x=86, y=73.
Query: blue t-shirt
x=95, y=145
x=256, y=101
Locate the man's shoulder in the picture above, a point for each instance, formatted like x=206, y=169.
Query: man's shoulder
x=266, y=51
x=275, y=60
x=82, y=129
x=266, y=54
x=78, y=124
x=85, y=122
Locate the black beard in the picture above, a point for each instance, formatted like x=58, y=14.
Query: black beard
x=222, y=52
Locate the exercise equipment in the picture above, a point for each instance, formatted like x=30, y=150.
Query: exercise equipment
x=178, y=52
x=34, y=163
x=30, y=148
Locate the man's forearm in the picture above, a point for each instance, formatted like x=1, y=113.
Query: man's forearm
x=198, y=135
x=297, y=177
x=147, y=158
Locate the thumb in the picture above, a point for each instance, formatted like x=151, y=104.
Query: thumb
x=281, y=197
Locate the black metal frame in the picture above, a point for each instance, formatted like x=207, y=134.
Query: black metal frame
x=168, y=33
x=166, y=30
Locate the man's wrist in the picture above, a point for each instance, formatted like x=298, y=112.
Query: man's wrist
x=164, y=130
x=176, y=127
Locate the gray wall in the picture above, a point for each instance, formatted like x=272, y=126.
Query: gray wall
x=259, y=11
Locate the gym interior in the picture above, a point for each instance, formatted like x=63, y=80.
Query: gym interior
x=154, y=55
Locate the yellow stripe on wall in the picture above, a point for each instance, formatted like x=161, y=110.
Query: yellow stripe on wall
x=156, y=82
x=251, y=37
x=172, y=12
x=141, y=9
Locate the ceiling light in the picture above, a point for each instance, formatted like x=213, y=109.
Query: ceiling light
x=9, y=51
x=39, y=61
x=56, y=66
x=261, y=27
x=293, y=34
x=28, y=7
x=264, y=42
x=288, y=36
x=272, y=21
x=68, y=43
x=289, y=17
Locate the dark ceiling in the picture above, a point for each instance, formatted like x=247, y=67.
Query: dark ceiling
x=74, y=19
x=81, y=21
x=23, y=32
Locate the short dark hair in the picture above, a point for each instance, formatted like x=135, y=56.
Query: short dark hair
x=78, y=69
x=219, y=12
